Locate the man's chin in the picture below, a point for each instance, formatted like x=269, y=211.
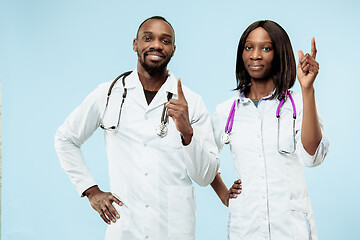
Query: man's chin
x=154, y=68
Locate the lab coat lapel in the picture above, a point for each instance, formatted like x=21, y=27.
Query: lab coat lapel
x=135, y=89
x=160, y=98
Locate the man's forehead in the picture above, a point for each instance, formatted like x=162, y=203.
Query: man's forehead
x=156, y=26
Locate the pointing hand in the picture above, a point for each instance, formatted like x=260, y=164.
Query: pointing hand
x=308, y=67
x=178, y=110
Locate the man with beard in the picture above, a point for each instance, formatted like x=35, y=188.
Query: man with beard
x=158, y=137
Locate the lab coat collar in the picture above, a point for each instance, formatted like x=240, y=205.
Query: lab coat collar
x=170, y=85
x=240, y=96
x=133, y=81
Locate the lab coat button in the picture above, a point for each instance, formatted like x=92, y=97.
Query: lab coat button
x=146, y=174
x=147, y=205
x=146, y=236
x=145, y=145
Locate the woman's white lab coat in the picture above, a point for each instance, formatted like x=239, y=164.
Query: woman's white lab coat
x=149, y=174
x=274, y=203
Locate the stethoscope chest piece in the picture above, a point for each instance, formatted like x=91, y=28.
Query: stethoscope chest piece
x=225, y=138
x=162, y=130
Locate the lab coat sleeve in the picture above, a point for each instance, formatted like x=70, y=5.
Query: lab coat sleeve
x=79, y=126
x=218, y=125
x=202, y=162
x=322, y=150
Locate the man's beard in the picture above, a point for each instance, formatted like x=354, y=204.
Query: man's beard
x=154, y=69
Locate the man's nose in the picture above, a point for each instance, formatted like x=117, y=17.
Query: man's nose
x=156, y=44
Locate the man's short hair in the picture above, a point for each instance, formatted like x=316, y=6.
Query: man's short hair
x=156, y=18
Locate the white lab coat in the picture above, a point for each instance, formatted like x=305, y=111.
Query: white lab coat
x=274, y=202
x=149, y=174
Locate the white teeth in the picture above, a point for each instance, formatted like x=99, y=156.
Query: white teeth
x=155, y=57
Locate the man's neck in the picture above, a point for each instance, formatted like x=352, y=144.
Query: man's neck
x=152, y=82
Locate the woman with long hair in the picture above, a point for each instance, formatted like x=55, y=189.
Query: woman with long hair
x=272, y=132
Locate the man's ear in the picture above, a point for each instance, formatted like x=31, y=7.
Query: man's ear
x=135, y=45
x=174, y=48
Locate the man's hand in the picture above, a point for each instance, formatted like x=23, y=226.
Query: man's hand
x=178, y=110
x=102, y=203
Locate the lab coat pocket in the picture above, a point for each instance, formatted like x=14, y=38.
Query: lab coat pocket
x=238, y=216
x=125, y=215
x=121, y=225
x=172, y=139
x=181, y=212
x=300, y=221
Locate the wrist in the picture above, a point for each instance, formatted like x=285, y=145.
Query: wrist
x=225, y=199
x=91, y=191
x=187, y=136
x=306, y=90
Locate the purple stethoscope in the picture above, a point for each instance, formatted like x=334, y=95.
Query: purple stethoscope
x=225, y=137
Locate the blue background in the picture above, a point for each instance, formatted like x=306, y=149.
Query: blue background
x=53, y=53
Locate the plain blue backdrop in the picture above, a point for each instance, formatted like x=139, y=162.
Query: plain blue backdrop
x=53, y=53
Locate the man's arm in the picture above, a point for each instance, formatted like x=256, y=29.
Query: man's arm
x=78, y=127
x=202, y=162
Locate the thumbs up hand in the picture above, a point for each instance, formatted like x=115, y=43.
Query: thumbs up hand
x=178, y=110
x=308, y=67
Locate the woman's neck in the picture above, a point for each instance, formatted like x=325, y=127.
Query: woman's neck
x=260, y=88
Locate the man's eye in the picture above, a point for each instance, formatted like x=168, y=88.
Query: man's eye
x=166, y=41
x=146, y=39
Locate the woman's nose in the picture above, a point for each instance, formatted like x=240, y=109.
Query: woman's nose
x=256, y=54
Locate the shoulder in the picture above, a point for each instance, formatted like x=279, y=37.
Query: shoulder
x=101, y=90
x=98, y=95
x=224, y=107
x=297, y=97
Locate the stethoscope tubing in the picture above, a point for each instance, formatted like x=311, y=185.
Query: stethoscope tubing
x=230, y=120
x=287, y=93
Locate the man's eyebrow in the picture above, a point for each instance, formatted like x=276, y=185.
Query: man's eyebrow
x=167, y=35
x=164, y=34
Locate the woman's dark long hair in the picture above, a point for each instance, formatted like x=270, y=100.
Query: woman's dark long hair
x=283, y=68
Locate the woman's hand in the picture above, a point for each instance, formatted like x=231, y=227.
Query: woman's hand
x=233, y=192
x=308, y=67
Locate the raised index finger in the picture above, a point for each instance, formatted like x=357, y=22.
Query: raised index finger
x=180, y=91
x=313, y=48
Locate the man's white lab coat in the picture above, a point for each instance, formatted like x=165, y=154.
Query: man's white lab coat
x=149, y=174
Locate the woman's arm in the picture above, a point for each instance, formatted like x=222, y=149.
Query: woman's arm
x=223, y=193
x=307, y=71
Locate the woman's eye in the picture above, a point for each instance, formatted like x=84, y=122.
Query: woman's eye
x=266, y=49
x=248, y=48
